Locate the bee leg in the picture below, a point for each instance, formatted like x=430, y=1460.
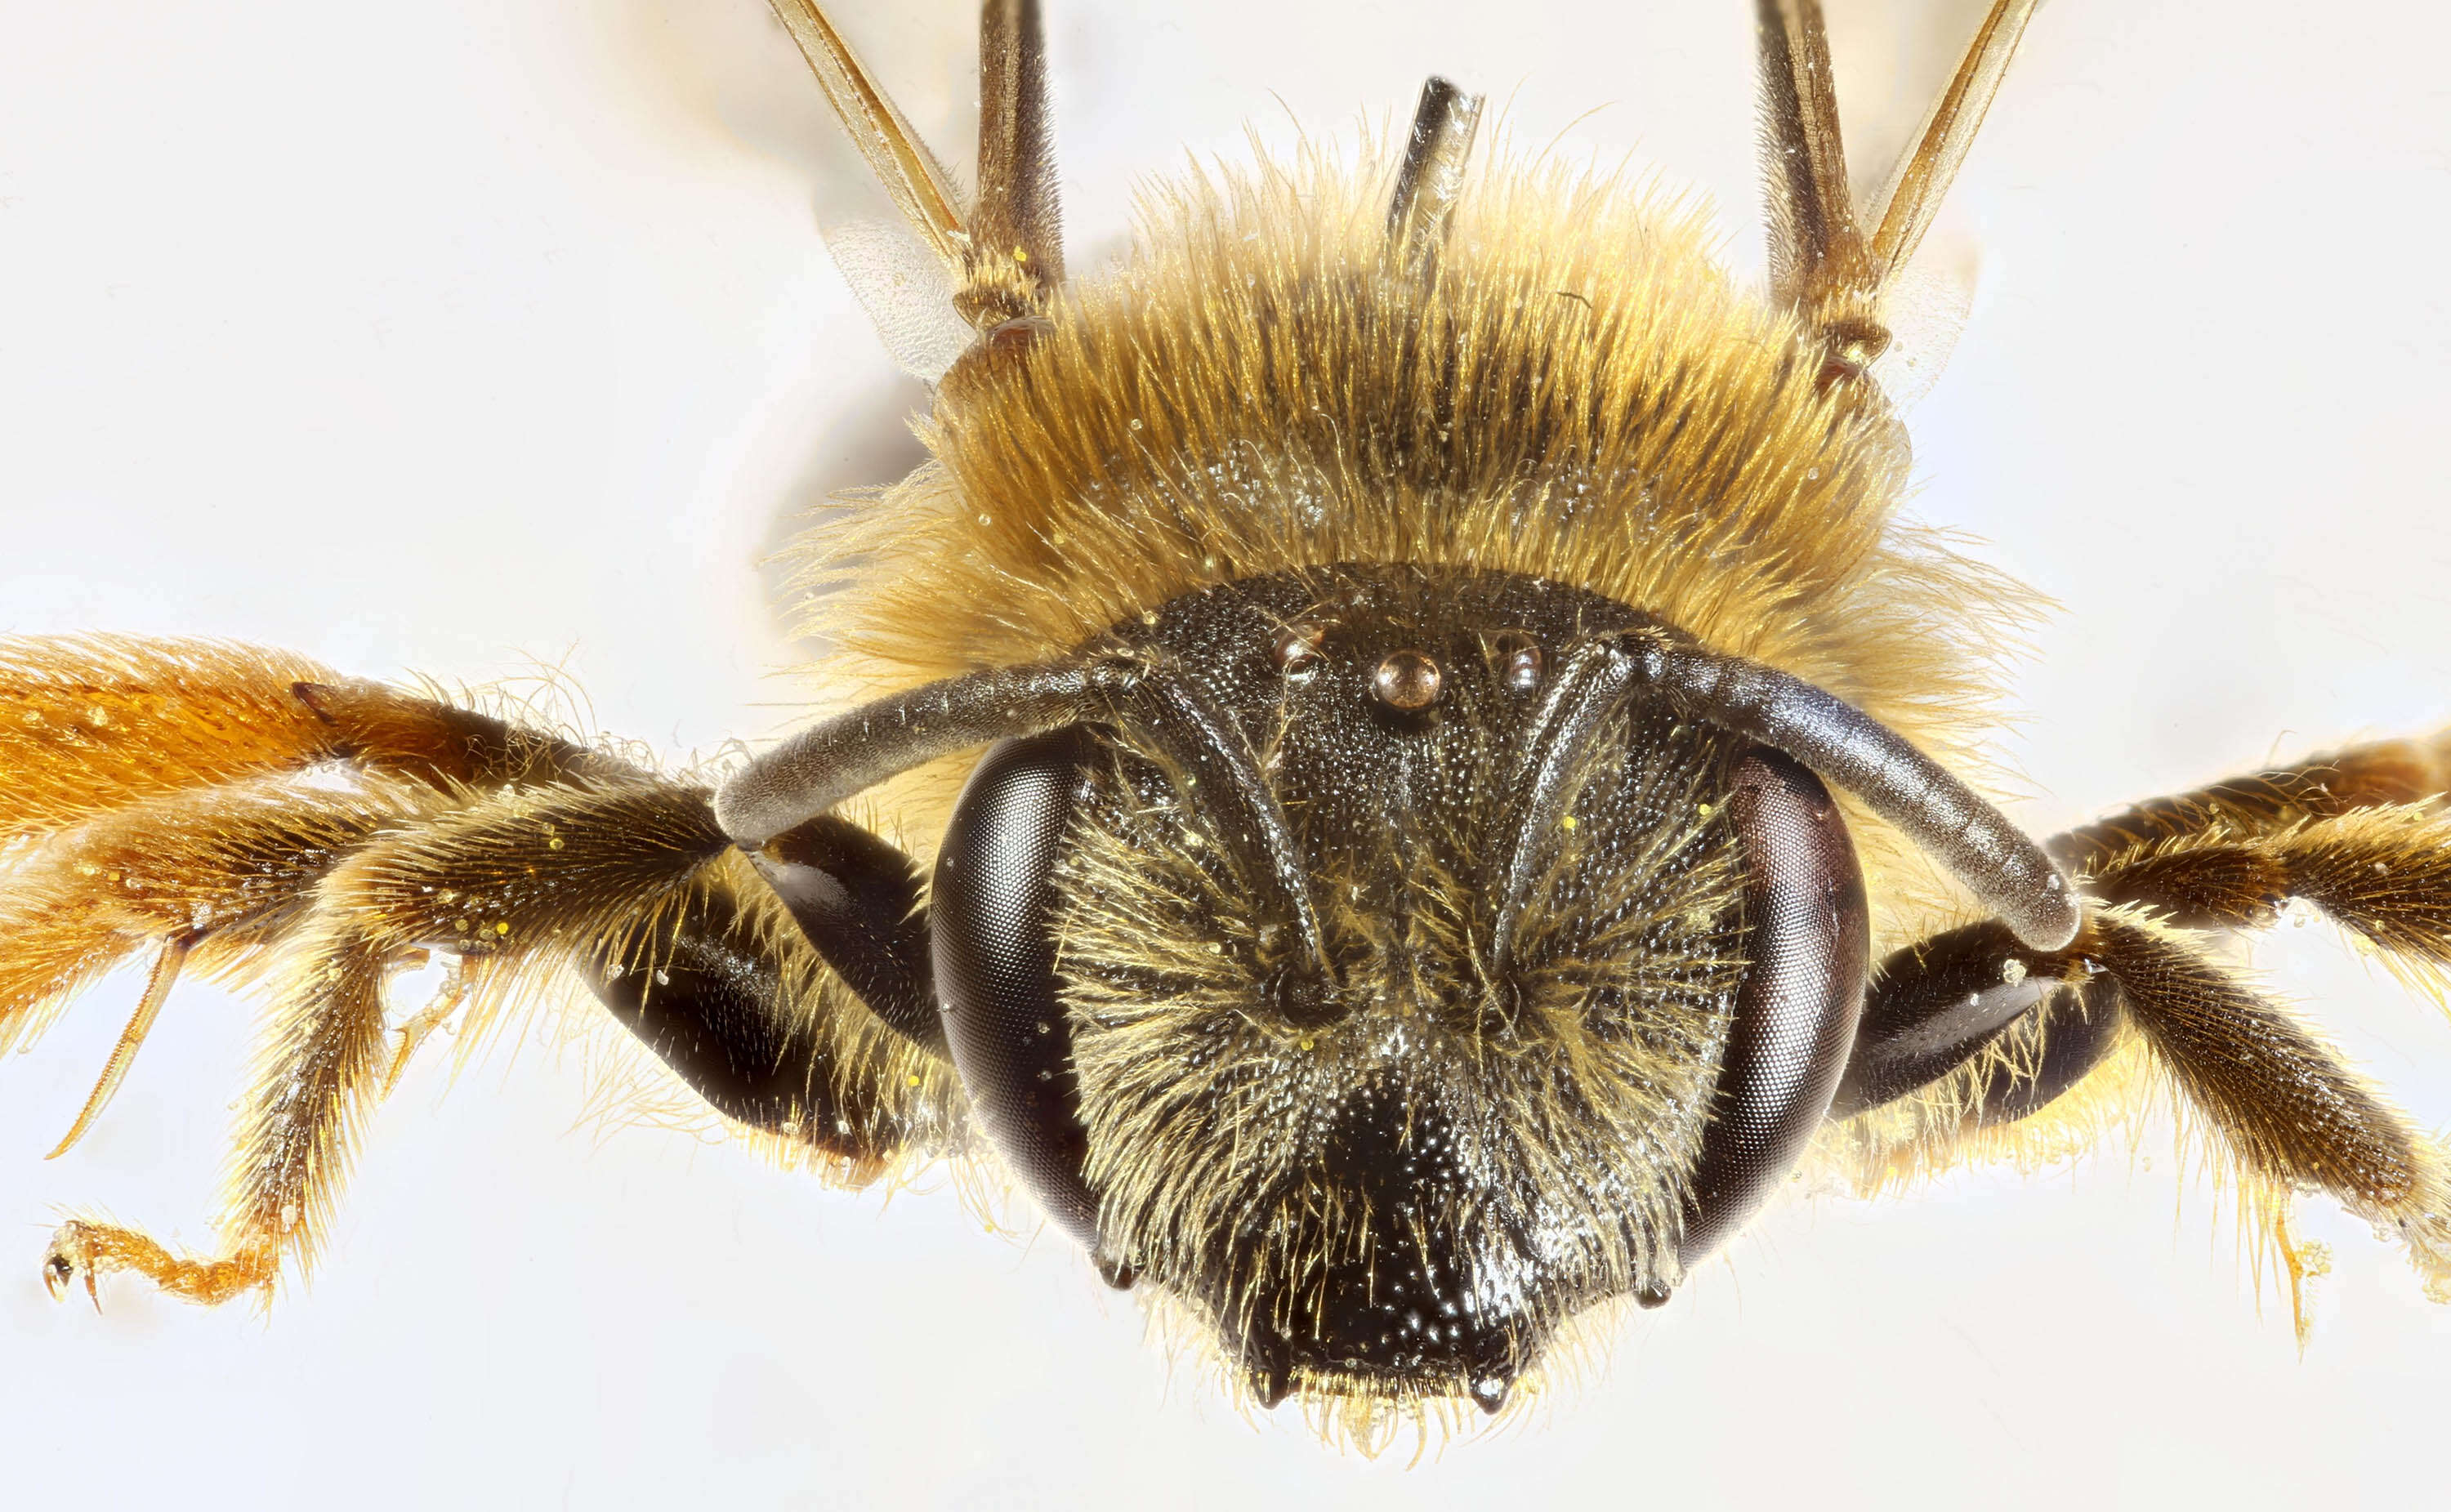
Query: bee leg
x=2382, y=873
x=2274, y=1097
x=1943, y=1050
x=2374, y=775
x=164, y=789
x=730, y=1003
x=296, y=1136
x=224, y=869
x=422, y=1024
x=2357, y=834
x=97, y=724
x=859, y=903
x=793, y=989
x=361, y=890
x=164, y=975
x=518, y=884
x=2014, y=1027
x=1823, y=265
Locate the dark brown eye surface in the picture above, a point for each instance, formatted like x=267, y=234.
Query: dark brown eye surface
x=995, y=966
x=1809, y=938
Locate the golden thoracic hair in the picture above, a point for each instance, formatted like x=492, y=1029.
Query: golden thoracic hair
x=1575, y=394
x=1578, y=393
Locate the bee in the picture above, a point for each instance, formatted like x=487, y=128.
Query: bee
x=1154, y=820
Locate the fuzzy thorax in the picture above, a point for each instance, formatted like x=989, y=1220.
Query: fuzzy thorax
x=1579, y=393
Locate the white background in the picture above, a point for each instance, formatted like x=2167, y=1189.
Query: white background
x=448, y=336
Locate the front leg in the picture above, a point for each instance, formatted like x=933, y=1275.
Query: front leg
x=838, y=1053
x=1981, y=1026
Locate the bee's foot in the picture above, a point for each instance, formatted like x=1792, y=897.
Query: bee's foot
x=82, y=1247
x=69, y=1256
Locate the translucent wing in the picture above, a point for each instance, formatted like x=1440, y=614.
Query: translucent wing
x=1003, y=255
x=1842, y=280
x=1925, y=306
x=907, y=292
x=913, y=178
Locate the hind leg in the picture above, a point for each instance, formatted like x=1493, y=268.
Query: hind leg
x=632, y=884
x=93, y=724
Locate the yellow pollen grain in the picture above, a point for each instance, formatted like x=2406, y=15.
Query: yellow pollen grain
x=1568, y=821
x=501, y=928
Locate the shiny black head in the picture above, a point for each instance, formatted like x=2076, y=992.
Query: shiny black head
x=1346, y=1026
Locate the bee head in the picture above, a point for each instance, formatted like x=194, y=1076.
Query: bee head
x=1390, y=1070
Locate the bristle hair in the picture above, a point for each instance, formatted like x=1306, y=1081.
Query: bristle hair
x=1580, y=395
x=94, y=723
x=1211, y=1117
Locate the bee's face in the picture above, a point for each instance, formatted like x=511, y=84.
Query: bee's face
x=570, y=373
x=1382, y=1151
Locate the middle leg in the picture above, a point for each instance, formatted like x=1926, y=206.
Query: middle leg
x=1970, y=1031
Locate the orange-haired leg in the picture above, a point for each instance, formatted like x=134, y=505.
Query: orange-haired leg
x=634, y=884
x=296, y=1135
x=92, y=724
x=422, y=1024
x=227, y=807
x=223, y=868
x=87, y=1248
x=324, y=1061
x=131, y=1039
x=2379, y=775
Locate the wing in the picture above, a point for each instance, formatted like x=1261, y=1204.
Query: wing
x=1003, y=255
x=1834, y=274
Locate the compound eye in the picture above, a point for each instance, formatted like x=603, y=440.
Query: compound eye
x=995, y=964
x=1808, y=940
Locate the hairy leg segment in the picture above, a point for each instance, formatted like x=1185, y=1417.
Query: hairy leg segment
x=1968, y=1030
x=252, y=817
